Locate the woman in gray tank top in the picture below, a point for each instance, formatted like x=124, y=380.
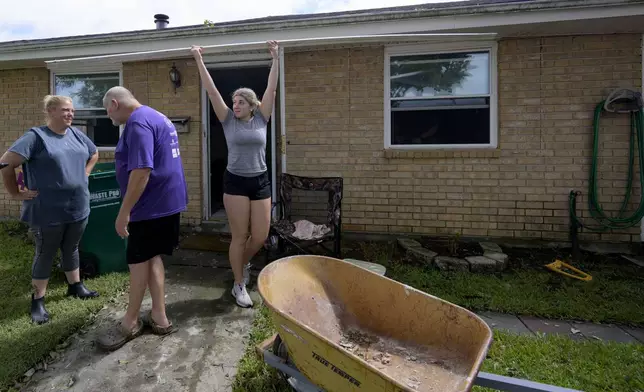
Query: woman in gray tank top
x=56, y=161
x=247, y=187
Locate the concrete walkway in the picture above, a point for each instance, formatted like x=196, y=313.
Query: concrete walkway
x=202, y=356
x=526, y=325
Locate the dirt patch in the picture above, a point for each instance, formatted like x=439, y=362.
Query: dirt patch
x=419, y=368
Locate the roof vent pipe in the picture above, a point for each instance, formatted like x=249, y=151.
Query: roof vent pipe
x=161, y=20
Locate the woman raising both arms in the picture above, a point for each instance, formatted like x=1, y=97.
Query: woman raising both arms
x=247, y=186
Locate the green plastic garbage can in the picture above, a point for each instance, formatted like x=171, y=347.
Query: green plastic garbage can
x=101, y=249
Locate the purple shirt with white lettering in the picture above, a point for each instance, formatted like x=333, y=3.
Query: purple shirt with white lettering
x=150, y=140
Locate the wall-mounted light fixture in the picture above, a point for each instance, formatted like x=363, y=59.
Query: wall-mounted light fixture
x=175, y=77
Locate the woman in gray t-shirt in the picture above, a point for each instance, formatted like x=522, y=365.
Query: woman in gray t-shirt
x=56, y=161
x=247, y=186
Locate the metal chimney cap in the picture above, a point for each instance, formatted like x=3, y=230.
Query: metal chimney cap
x=161, y=20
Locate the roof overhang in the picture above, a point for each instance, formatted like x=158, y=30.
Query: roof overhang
x=112, y=60
x=514, y=19
x=522, y=11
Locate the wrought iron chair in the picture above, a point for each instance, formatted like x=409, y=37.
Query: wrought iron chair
x=282, y=228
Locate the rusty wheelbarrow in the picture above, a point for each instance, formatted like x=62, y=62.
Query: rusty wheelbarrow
x=342, y=327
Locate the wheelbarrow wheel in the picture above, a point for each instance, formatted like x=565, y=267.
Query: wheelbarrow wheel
x=280, y=350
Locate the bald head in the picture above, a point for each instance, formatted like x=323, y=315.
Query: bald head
x=119, y=103
x=119, y=94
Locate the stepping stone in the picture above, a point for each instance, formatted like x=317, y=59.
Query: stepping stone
x=637, y=333
x=635, y=260
x=482, y=264
x=550, y=327
x=604, y=332
x=490, y=247
x=408, y=243
x=605, y=249
x=500, y=258
x=416, y=251
x=446, y=263
x=506, y=322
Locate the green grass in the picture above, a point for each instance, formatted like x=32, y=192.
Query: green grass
x=527, y=288
x=23, y=344
x=253, y=375
x=588, y=366
x=558, y=360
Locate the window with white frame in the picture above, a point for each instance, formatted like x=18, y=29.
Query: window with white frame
x=86, y=91
x=440, y=99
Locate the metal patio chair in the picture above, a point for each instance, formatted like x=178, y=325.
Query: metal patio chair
x=282, y=228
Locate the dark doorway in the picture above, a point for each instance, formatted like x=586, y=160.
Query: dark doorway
x=227, y=81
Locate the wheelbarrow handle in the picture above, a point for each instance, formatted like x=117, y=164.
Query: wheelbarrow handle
x=277, y=363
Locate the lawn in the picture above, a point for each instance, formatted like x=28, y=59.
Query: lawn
x=588, y=366
x=526, y=288
x=23, y=344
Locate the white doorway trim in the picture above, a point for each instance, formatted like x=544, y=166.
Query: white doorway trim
x=222, y=62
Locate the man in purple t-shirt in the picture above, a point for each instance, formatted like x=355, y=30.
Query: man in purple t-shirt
x=154, y=191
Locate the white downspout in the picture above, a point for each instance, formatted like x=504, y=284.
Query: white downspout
x=274, y=157
x=282, y=110
x=205, y=153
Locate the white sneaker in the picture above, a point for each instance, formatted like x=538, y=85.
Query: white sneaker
x=241, y=295
x=246, y=275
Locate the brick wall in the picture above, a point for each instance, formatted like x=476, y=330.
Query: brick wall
x=548, y=88
x=150, y=83
x=22, y=91
x=21, y=95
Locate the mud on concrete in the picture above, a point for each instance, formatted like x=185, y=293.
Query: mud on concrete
x=201, y=356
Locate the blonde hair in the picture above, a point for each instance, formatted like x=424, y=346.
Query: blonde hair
x=249, y=95
x=54, y=101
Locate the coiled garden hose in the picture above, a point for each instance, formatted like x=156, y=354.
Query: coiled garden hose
x=596, y=211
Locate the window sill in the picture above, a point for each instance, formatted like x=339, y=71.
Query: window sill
x=452, y=153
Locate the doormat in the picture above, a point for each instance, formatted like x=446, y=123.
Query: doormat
x=206, y=242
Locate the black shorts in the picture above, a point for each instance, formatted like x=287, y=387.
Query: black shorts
x=255, y=188
x=151, y=238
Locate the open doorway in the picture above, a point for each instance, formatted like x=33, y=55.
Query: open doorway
x=227, y=81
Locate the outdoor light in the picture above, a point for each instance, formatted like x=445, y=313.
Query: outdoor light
x=175, y=77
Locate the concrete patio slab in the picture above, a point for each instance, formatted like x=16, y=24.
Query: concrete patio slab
x=604, y=332
x=201, y=356
x=198, y=258
x=549, y=326
x=505, y=322
x=637, y=333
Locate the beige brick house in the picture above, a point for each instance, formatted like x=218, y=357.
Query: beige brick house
x=470, y=117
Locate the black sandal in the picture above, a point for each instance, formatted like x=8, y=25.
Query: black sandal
x=156, y=329
x=117, y=336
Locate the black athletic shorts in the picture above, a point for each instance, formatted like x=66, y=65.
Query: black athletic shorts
x=255, y=188
x=151, y=238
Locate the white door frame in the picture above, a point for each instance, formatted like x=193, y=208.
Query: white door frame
x=250, y=60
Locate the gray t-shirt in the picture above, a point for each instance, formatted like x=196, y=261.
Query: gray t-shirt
x=55, y=167
x=246, y=144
